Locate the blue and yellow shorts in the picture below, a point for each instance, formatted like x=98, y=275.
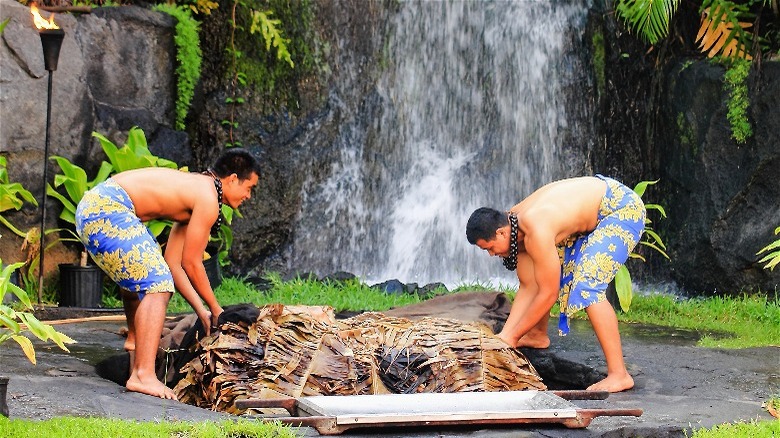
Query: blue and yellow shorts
x=590, y=261
x=119, y=242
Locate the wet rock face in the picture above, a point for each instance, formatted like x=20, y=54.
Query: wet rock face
x=114, y=72
x=670, y=123
x=722, y=197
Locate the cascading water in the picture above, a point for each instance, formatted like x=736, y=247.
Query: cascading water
x=468, y=111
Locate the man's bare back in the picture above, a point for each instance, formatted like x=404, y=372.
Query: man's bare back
x=161, y=193
x=565, y=207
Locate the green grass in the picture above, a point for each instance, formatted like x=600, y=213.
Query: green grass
x=724, y=322
x=67, y=427
x=753, y=429
x=351, y=295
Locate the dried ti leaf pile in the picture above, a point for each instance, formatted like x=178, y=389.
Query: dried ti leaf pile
x=298, y=351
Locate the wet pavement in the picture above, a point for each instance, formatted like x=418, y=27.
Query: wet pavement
x=678, y=386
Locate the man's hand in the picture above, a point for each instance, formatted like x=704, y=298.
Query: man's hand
x=205, y=319
x=215, y=316
x=507, y=339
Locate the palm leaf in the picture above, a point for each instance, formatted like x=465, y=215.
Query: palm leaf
x=722, y=33
x=649, y=18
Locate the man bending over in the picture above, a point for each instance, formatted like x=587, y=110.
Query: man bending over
x=109, y=221
x=566, y=242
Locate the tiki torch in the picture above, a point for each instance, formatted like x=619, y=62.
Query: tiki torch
x=51, y=41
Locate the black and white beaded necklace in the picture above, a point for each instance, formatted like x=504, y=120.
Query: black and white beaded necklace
x=510, y=262
x=218, y=186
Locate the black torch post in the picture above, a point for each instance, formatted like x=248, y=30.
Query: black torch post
x=51, y=41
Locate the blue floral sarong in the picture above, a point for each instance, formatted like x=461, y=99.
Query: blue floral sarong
x=119, y=242
x=590, y=261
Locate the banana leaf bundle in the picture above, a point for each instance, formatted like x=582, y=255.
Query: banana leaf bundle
x=294, y=351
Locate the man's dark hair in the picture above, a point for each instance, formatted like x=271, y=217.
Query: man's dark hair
x=238, y=161
x=483, y=224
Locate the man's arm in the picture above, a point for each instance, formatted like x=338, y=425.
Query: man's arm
x=184, y=254
x=173, y=252
x=539, y=273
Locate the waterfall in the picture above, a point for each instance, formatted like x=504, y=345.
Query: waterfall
x=468, y=111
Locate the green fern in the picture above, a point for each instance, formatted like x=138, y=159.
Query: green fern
x=261, y=22
x=188, y=54
x=648, y=18
x=773, y=257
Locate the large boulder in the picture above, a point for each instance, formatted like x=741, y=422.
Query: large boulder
x=115, y=71
x=722, y=197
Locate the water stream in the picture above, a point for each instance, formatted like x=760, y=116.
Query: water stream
x=469, y=111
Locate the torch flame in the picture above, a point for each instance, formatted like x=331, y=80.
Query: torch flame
x=40, y=22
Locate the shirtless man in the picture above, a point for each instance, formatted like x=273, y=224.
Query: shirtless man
x=566, y=242
x=109, y=221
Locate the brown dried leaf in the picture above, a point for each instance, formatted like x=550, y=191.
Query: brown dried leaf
x=713, y=38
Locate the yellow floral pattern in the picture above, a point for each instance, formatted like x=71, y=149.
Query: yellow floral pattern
x=119, y=242
x=590, y=261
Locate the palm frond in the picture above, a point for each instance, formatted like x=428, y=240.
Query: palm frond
x=294, y=351
x=648, y=18
x=722, y=32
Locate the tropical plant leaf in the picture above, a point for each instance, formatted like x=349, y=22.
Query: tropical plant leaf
x=27, y=347
x=10, y=196
x=656, y=238
x=157, y=226
x=656, y=207
x=36, y=327
x=73, y=177
x=20, y=294
x=7, y=321
x=6, y=285
x=58, y=338
x=722, y=33
x=68, y=213
x=640, y=188
x=649, y=18
x=655, y=247
x=623, y=288
x=772, y=258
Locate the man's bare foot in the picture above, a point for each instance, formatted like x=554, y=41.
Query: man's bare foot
x=530, y=341
x=151, y=387
x=613, y=383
